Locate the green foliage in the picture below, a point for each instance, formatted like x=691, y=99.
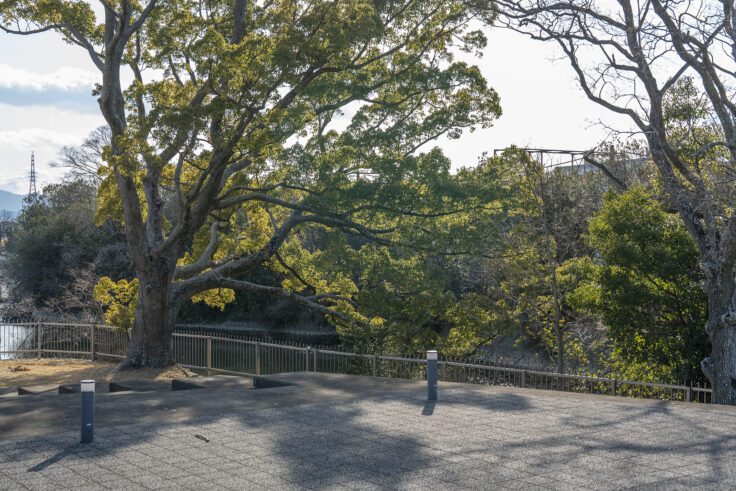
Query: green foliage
x=42, y=13
x=648, y=291
x=120, y=299
x=474, y=322
x=581, y=345
x=692, y=123
x=548, y=210
x=407, y=293
x=370, y=176
x=529, y=303
x=215, y=298
x=235, y=162
x=54, y=239
x=256, y=111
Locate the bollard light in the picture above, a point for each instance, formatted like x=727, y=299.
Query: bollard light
x=432, y=375
x=88, y=411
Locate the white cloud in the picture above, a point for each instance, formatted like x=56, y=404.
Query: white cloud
x=16, y=146
x=49, y=118
x=65, y=78
x=15, y=184
x=31, y=137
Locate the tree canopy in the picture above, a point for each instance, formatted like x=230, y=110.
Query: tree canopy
x=56, y=253
x=668, y=67
x=229, y=141
x=648, y=291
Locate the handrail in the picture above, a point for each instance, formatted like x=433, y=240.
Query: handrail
x=240, y=341
x=688, y=390
x=587, y=378
x=58, y=324
x=342, y=353
x=401, y=358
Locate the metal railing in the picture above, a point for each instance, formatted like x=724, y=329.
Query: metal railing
x=248, y=356
x=62, y=340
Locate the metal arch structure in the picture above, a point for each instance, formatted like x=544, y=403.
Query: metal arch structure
x=580, y=162
x=552, y=157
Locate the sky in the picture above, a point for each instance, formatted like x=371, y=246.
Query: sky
x=46, y=103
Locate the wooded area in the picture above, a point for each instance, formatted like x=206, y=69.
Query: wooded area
x=228, y=182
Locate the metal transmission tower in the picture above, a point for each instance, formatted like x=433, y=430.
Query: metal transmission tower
x=32, y=188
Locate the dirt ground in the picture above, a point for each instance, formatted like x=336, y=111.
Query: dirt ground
x=47, y=372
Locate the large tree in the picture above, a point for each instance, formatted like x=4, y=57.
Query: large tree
x=649, y=288
x=630, y=58
x=228, y=140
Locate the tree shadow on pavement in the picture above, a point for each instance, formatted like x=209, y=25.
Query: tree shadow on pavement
x=400, y=440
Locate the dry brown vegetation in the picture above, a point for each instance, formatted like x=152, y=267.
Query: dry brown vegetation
x=47, y=372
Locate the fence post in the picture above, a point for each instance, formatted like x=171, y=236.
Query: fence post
x=523, y=378
x=374, y=365
x=306, y=359
x=613, y=387
x=689, y=394
x=315, y=359
x=92, y=342
x=258, y=358
x=38, y=346
x=209, y=354
x=444, y=371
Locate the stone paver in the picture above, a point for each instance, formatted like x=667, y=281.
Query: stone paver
x=470, y=439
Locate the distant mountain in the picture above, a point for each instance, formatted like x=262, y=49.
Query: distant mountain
x=10, y=201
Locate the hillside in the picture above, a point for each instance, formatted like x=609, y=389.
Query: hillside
x=10, y=201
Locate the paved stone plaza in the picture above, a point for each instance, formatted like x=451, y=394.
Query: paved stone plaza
x=470, y=439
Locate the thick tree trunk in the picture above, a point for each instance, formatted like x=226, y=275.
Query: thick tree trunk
x=720, y=366
x=151, y=340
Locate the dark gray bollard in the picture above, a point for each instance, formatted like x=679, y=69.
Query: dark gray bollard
x=431, y=375
x=88, y=411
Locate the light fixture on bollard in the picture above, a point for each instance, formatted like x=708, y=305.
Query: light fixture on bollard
x=432, y=375
x=88, y=411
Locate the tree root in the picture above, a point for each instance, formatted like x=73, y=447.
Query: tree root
x=124, y=365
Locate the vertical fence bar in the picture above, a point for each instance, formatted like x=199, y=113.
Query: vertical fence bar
x=209, y=354
x=258, y=358
x=92, y=342
x=61, y=339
